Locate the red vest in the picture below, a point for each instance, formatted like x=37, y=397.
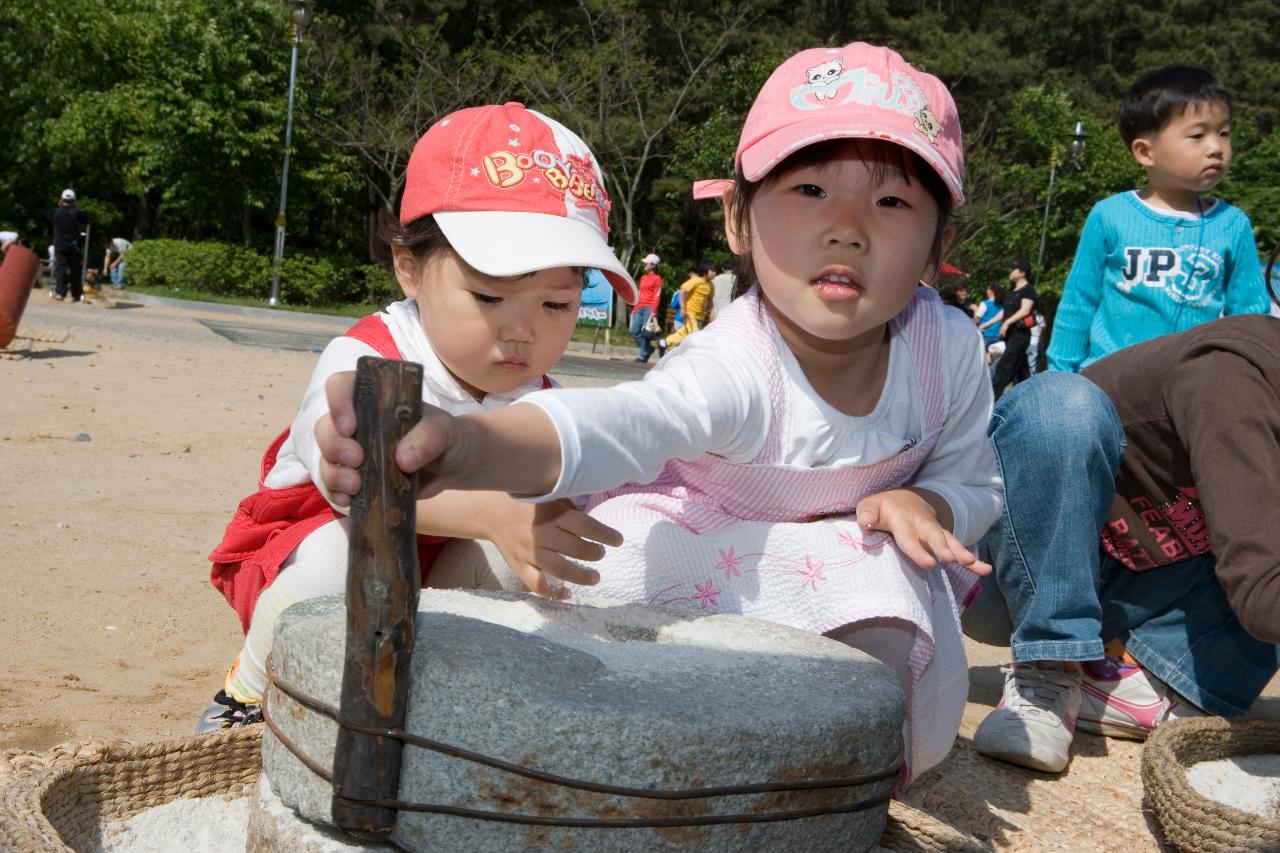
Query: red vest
x=270, y=523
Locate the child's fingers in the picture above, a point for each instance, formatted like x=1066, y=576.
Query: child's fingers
x=557, y=566
x=341, y=482
x=914, y=548
x=940, y=542
x=339, y=390
x=563, y=542
x=427, y=441
x=538, y=583
x=584, y=526
x=336, y=448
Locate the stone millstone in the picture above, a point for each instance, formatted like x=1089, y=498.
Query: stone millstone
x=618, y=694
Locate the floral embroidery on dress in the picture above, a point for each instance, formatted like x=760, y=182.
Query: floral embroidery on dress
x=807, y=568
x=707, y=593
x=729, y=563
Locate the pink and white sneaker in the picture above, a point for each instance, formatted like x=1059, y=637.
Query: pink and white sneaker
x=1121, y=699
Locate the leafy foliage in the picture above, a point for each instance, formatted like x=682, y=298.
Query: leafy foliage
x=167, y=116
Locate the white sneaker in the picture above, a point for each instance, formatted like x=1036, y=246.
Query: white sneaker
x=1123, y=700
x=1036, y=720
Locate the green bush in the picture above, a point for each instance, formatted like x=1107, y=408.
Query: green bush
x=221, y=269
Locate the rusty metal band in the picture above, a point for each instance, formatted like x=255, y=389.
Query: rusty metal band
x=328, y=710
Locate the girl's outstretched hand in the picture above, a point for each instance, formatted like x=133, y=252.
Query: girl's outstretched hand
x=341, y=455
x=913, y=523
x=540, y=542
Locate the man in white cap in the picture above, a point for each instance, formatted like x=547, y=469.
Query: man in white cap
x=68, y=221
x=650, y=285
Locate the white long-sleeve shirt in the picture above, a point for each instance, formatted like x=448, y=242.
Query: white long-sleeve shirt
x=707, y=397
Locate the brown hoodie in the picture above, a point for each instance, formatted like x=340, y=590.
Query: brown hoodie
x=1201, y=473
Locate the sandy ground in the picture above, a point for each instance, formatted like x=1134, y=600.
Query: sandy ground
x=124, y=449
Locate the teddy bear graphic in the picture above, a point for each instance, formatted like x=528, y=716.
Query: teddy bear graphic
x=824, y=79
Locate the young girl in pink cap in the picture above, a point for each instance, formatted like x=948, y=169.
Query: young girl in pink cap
x=818, y=456
x=503, y=211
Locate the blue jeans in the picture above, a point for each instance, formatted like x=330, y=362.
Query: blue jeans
x=1059, y=444
x=639, y=317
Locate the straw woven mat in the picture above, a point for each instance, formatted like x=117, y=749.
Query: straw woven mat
x=1095, y=805
x=21, y=345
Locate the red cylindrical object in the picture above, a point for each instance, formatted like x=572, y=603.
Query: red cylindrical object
x=18, y=273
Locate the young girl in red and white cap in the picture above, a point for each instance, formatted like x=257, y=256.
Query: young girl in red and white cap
x=503, y=211
x=818, y=455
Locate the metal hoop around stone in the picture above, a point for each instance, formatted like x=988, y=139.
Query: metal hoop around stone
x=327, y=710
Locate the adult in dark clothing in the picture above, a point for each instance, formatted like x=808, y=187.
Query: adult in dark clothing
x=68, y=221
x=1137, y=565
x=1018, y=306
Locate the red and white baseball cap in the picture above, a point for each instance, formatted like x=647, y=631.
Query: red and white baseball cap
x=856, y=91
x=514, y=192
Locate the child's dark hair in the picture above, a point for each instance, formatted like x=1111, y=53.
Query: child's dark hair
x=1158, y=97
x=704, y=269
x=422, y=236
x=882, y=157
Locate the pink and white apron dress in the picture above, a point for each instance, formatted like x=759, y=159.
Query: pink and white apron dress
x=779, y=542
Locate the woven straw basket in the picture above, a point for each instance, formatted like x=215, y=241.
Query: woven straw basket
x=62, y=800
x=1189, y=820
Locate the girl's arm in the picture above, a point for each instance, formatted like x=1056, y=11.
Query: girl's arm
x=567, y=442
x=961, y=469
x=996, y=318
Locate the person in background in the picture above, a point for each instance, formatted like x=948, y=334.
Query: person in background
x=113, y=267
x=723, y=285
x=68, y=221
x=695, y=304
x=650, y=287
x=984, y=313
x=1033, y=345
x=958, y=297
x=1164, y=258
x=1015, y=331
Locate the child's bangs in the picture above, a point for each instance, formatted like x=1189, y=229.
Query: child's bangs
x=884, y=158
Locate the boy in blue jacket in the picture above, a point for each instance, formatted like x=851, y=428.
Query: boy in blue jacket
x=1164, y=258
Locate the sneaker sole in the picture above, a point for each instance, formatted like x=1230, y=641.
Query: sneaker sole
x=1109, y=729
x=1021, y=759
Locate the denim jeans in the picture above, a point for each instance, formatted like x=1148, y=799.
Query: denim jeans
x=1059, y=444
x=639, y=317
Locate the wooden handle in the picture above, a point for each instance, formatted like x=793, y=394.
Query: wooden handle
x=382, y=598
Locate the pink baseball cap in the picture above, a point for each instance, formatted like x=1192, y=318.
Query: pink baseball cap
x=514, y=192
x=856, y=91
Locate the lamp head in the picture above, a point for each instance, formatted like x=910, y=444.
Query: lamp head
x=301, y=12
x=1078, y=137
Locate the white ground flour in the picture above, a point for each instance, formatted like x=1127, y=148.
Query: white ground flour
x=205, y=825
x=1250, y=783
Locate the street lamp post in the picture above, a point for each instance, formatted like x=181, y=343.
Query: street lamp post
x=1078, y=137
x=301, y=17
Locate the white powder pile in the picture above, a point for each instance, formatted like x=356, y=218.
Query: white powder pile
x=204, y=825
x=1250, y=783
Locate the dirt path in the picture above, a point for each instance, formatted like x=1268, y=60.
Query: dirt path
x=109, y=627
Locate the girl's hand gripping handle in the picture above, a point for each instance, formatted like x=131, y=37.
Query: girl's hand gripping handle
x=432, y=443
